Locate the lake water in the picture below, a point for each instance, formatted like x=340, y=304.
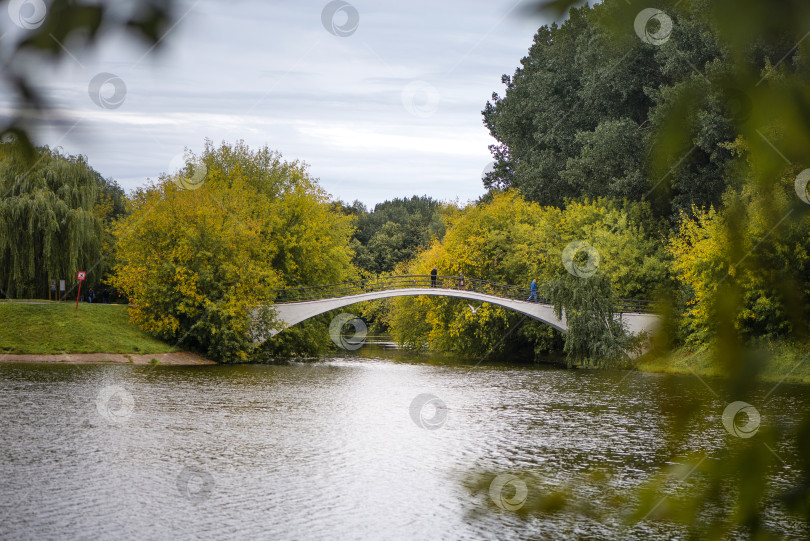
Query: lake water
x=347, y=448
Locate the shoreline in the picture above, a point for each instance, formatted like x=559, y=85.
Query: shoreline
x=179, y=358
x=781, y=362
x=787, y=367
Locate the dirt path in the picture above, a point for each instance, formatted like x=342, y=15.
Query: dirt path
x=180, y=358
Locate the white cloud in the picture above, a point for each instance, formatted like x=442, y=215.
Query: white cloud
x=362, y=140
x=269, y=73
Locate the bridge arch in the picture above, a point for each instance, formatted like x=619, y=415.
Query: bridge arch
x=304, y=303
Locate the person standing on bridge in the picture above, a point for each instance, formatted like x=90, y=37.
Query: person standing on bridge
x=533, y=294
x=460, y=280
x=433, y=274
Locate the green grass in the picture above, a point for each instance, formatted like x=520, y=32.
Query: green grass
x=38, y=329
x=784, y=360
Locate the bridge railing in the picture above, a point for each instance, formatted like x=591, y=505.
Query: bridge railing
x=386, y=283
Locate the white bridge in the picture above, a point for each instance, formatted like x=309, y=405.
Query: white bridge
x=296, y=305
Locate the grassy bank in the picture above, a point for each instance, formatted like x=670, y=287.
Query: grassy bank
x=50, y=327
x=783, y=361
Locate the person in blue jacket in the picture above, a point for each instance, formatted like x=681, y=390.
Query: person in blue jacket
x=534, y=291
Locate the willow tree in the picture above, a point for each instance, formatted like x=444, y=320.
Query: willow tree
x=52, y=217
x=595, y=336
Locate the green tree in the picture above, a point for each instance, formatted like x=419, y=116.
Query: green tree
x=591, y=103
x=595, y=334
x=52, y=220
x=608, y=164
x=395, y=231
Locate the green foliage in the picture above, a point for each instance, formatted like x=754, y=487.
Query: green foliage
x=594, y=111
x=609, y=163
x=728, y=132
x=52, y=220
x=395, y=231
x=510, y=240
x=388, y=237
x=199, y=264
x=595, y=334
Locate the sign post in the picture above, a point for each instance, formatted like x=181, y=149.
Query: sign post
x=79, y=277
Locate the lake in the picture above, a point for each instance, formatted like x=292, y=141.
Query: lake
x=372, y=446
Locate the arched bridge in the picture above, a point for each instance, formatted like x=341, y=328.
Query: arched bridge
x=296, y=305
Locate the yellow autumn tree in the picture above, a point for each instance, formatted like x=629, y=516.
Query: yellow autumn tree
x=510, y=240
x=203, y=251
x=700, y=265
x=745, y=251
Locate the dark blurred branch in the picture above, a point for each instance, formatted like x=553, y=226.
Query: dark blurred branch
x=42, y=39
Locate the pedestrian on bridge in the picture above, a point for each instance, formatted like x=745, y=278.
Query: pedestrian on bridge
x=460, y=280
x=533, y=294
x=433, y=274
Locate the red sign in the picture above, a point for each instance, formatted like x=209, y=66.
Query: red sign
x=80, y=276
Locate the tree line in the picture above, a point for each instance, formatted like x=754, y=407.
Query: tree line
x=675, y=147
x=584, y=128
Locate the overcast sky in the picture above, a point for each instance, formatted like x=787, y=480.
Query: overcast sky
x=391, y=109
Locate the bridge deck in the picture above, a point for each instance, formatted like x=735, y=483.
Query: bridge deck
x=421, y=281
x=296, y=305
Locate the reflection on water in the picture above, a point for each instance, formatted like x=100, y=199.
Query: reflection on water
x=352, y=448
